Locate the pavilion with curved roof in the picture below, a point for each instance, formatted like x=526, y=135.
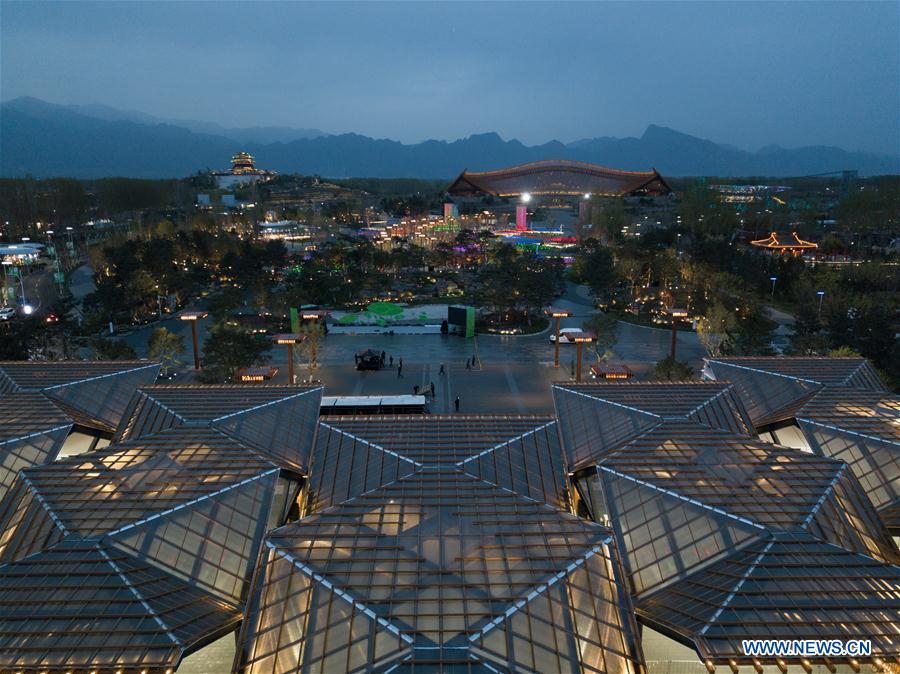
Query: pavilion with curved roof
x=559, y=178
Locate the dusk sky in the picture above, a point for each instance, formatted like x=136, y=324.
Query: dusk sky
x=741, y=73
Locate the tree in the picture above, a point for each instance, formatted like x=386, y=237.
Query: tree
x=807, y=339
x=312, y=331
x=672, y=370
x=753, y=336
x=165, y=346
x=594, y=267
x=112, y=349
x=227, y=349
x=606, y=330
x=843, y=352
x=223, y=303
x=717, y=329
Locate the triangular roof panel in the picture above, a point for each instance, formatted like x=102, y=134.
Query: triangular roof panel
x=103, y=609
x=791, y=586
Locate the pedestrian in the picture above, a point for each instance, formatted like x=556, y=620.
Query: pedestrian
x=456, y=403
x=392, y=361
x=432, y=390
x=383, y=354
x=416, y=390
x=441, y=371
x=400, y=370
x=356, y=359
x=468, y=364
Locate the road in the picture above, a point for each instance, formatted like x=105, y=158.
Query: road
x=784, y=330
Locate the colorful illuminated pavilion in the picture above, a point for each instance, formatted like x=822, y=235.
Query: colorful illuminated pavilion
x=785, y=242
x=559, y=178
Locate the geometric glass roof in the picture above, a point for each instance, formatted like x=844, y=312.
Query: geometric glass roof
x=93, y=393
x=94, y=494
x=841, y=409
x=824, y=370
x=144, y=549
x=275, y=420
x=430, y=545
x=770, y=486
x=32, y=431
x=190, y=500
x=47, y=375
x=440, y=542
x=356, y=454
x=599, y=417
x=87, y=604
x=690, y=503
x=24, y=414
x=791, y=586
x=40, y=402
x=439, y=569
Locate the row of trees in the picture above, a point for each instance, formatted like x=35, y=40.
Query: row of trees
x=697, y=265
x=136, y=277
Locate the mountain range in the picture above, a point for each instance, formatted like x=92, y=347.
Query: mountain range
x=88, y=141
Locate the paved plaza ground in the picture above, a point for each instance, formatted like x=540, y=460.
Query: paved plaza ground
x=515, y=372
x=514, y=376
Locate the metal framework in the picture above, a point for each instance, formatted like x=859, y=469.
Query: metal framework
x=86, y=606
x=277, y=421
x=427, y=543
x=703, y=510
x=356, y=455
x=430, y=558
x=93, y=393
x=838, y=407
x=559, y=178
x=146, y=547
x=41, y=403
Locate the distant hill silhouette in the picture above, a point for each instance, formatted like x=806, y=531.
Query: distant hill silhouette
x=43, y=139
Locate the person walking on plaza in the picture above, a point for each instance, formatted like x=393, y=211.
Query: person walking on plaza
x=400, y=369
x=391, y=360
x=468, y=364
x=432, y=390
x=456, y=403
x=441, y=371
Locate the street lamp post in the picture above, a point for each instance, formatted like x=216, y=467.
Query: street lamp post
x=580, y=339
x=821, y=294
x=773, y=279
x=675, y=314
x=290, y=339
x=25, y=306
x=193, y=317
x=557, y=314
